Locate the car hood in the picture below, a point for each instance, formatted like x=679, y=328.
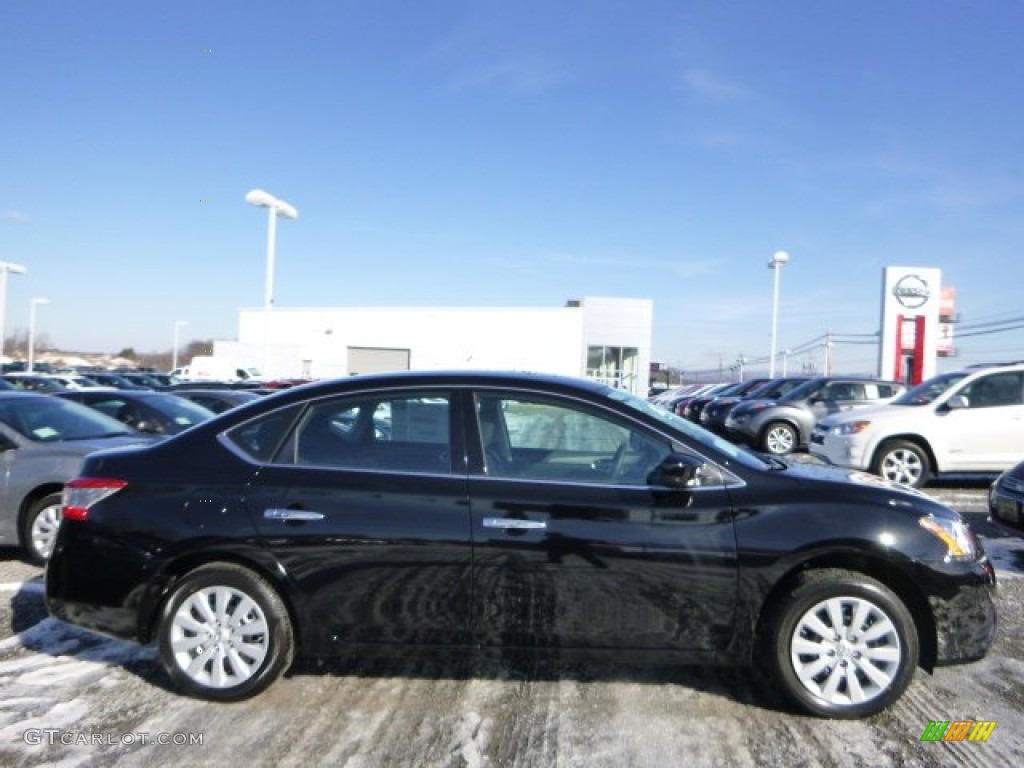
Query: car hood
x=878, y=413
x=866, y=482
x=749, y=405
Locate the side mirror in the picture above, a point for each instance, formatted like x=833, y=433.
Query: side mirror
x=678, y=471
x=956, y=402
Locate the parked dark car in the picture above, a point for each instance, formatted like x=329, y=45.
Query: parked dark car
x=148, y=378
x=108, y=379
x=156, y=413
x=42, y=442
x=217, y=400
x=505, y=510
x=784, y=425
x=1006, y=497
x=29, y=383
x=678, y=405
x=714, y=414
x=695, y=407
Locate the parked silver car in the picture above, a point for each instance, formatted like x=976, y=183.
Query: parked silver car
x=782, y=426
x=43, y=440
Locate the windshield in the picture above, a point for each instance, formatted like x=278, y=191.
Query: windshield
x=687, y=427
x=47, y=419
x=929, y=391
x=802, y=392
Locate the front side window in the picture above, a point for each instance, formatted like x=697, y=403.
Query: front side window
x=539, y=439
x=994, y=390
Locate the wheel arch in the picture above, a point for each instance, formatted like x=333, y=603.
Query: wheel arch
x=180, y=567
x=877, y=567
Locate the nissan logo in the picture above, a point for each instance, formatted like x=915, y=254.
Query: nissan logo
x=911, y=291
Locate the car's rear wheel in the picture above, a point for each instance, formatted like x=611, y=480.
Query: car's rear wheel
x=841, y=644
x=225, y=634
x=779, y=438
x=40, y=528
x=902, y=462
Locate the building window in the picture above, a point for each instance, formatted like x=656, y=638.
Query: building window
x=614, y=366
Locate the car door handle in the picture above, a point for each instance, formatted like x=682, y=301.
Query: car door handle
x=514, y=523
x=292, y=514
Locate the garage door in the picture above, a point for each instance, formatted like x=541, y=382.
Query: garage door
x=376, y=360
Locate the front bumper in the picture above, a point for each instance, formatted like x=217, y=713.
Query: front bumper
x=841, y=450
x=965, y=618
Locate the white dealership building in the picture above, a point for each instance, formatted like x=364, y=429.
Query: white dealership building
x=602, y=338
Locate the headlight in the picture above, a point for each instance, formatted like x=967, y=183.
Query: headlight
x=954, y=534
x=851, y=428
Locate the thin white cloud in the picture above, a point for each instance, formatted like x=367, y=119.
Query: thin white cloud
x=15, y=217
x=711, y=86
x=527, y=73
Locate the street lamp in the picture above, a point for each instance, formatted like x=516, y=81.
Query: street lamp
x=5, y=268
x=778, y=259
x=174, y=352
x=275, y=208
x=32, y=331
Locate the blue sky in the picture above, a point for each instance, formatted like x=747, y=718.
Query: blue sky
x=519, y=153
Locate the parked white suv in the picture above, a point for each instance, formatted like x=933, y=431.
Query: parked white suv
x=970, y=420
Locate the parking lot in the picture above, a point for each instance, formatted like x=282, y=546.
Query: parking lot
x=73, y=699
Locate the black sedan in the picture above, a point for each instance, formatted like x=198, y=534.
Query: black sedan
x=155, y=413
x=503, y=510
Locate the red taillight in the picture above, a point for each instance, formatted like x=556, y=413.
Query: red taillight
x=82, y=492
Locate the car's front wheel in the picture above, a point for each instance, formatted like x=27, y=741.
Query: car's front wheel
x=902, y=462
x=225, y=634
x=40, y=528
x=841, y=644
x=779, y=438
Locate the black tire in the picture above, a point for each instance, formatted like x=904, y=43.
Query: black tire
x=902, y=461
x=246, y=647
x=858, y=671
x=779, y=438
x=39, y=528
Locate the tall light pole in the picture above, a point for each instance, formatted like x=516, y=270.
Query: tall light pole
x=778, y=259
x=32, y=331
x=178, y=324
x=5, y=268
x=275, y=208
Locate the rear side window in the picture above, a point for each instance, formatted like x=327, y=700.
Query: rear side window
x=260, y=439
x=405, y=432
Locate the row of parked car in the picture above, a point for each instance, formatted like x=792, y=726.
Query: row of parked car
x=50, y=421
x=963, y=422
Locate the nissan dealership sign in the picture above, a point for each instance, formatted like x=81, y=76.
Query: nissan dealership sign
x=912, y=291
x=910, y=300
